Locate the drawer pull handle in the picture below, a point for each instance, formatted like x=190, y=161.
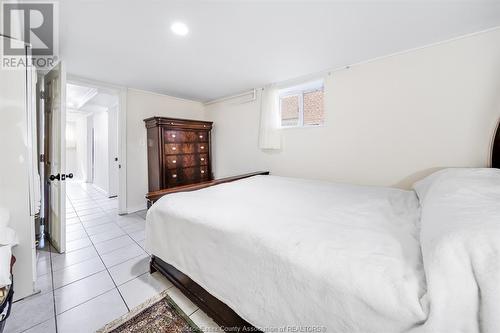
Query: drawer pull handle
x=174, y=176
x=201, y=136
x=173, y=135
x=202, y=147
x=174, y=148
x=174, y=161
x=202, y=171
x=202, y=159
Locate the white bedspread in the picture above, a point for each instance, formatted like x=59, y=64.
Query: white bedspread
x=285, y=252
x=460, y=239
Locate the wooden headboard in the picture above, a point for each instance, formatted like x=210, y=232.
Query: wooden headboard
x=495, y=152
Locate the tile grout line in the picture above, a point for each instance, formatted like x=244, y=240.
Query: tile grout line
x=83, y=278
x=90, y=299
x=88, y=259
x=52, y=256
x=107, y=213
x=52, y=275
x=133, y=278
x=172, y=285
x=137, y=243
x=53, y=295
x=126, y=233
x=98, y=253
x=70, y=283
x=53, y=290
x=107, y=270
x=88, y=236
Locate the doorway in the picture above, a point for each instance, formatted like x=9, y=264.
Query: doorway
x=90, y=144
x=92, y=139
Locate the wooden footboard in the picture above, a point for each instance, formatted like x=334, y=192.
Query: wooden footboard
x=222, y=314
x=153, y=196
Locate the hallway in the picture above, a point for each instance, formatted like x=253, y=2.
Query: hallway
x=103, y=275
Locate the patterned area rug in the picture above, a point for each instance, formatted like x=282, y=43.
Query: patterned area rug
x=159, y=314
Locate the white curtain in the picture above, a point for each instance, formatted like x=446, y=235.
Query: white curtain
x=270, y=132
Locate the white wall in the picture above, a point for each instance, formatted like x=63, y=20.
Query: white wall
x=235, y=138
x=142, y=105
x=101, y=157
x=82, y=148
x=71, y=150
x=76, y=146
x=113, y=151
x=90, y=143
x=389, y=121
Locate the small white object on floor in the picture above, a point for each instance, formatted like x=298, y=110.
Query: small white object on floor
x=8, y=239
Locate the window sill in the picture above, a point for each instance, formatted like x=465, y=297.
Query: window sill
x=302, y=127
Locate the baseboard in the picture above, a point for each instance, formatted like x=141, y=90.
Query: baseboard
x=131, y=210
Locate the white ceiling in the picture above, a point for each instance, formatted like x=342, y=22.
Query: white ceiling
x=234, y=46
x=87, y=100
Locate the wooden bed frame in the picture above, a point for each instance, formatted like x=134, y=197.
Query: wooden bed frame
x=222, y=314
x=495, y=151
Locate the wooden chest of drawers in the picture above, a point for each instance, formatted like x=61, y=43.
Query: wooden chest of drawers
x=178, y=152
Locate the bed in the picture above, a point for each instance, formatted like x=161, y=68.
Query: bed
x=282, y=254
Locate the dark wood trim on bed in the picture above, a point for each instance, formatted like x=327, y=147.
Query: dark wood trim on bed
x=153, y=196
x=222, y=314
x=495, y=152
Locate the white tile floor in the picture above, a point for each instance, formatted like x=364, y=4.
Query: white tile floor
x=103, y=275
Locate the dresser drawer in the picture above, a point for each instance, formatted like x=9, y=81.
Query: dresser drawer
x=174, y=177
x=185, y=148
x=204, y=173
x=182, y=176
x=185, y=136
x=186, y=161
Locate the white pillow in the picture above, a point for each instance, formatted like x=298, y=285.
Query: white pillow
x=460, y=242
x=423, y=186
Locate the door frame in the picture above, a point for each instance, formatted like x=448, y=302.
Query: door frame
x=121, y=92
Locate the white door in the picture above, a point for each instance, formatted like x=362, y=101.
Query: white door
x=55, y=117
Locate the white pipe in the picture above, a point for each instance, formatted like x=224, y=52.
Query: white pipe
x=330, y=71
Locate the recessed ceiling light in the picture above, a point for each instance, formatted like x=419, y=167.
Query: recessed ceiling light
x=179, y=28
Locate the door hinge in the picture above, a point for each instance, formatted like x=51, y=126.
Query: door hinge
x=42, y=158
x=42, y=94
